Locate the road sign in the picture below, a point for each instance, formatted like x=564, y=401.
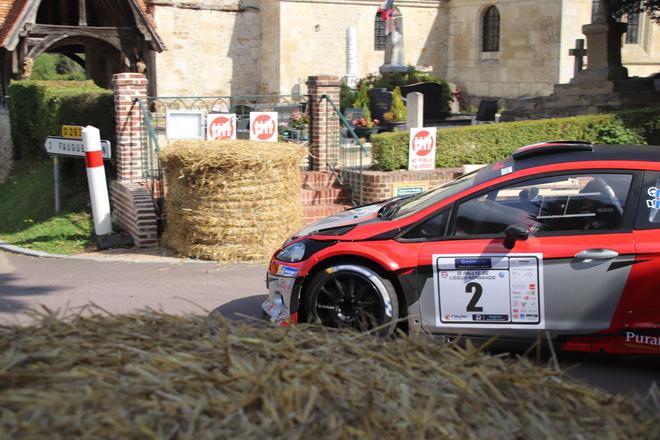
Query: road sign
x=72, y=131
x=62, y=146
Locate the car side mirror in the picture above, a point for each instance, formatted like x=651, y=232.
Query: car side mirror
x=515, y=233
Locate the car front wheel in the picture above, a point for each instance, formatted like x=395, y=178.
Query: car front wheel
x=352, y=296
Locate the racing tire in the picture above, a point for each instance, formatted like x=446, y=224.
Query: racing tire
x=352, y=296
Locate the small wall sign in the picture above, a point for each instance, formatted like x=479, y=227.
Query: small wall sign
x=221, y=126
x=263, y=126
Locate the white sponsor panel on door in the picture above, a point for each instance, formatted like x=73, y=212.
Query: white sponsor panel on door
x=489, y=290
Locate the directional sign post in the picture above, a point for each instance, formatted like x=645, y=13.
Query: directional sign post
x=70, y=144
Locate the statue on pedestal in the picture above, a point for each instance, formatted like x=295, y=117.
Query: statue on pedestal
x=394, y=53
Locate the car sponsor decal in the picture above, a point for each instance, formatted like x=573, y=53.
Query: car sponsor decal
x=489, y=290
x=654, y=201
x=634, y=338
x=287, y=271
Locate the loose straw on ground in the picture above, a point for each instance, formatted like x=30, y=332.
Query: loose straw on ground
x=153, y=375
x=231, y=200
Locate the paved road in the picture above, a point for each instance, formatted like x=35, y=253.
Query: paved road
x=27, y=282
x=122, y=287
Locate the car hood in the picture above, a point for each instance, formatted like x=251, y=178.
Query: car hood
x=346, y=218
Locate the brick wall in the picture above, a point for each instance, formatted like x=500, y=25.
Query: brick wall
x=133, y=209
x=378, y=185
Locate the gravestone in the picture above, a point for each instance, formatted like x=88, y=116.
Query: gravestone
x=353, y=113
x=433, y=110
x=381, y=102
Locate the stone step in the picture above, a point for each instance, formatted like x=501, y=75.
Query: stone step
x=319, y=179
x=324, y=196
x=315, y=213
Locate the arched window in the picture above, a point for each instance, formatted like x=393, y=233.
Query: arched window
x=379, y=33
x=490, y=30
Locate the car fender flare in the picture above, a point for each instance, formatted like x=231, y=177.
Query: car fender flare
x=356, y=250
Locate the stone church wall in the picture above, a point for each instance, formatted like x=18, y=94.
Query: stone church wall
x=528, y=61
x=213, y=47
x=312, y=38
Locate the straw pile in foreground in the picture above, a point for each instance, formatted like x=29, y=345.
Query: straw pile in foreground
x=158, y=376
x=231, y=200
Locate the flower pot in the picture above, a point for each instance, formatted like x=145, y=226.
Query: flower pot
x=393, y=126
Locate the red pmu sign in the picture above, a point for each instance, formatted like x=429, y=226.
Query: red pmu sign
x=263, y=126
x=221, y=127
x=421, y=154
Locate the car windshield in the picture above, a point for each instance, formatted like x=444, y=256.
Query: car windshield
x=416, y=203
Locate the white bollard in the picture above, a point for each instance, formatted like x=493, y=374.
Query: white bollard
x=98, y=190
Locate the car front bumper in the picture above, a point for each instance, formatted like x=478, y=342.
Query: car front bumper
x=282, y=302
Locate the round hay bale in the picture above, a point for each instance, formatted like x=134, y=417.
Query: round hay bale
x=231, y=200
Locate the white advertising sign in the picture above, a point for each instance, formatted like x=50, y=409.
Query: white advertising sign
x=489, y=290
x=221, y=126
x=185, y=124
x=263, y=126
x=421, y=152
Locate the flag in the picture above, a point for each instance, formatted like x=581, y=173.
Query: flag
x=386, y=11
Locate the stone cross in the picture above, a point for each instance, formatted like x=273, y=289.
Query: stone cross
x=579, y=53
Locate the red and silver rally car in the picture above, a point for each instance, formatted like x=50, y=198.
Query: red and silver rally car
x=561, y=239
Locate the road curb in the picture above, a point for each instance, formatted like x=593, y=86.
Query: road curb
x=105, y=259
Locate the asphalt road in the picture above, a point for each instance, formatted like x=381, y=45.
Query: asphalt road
x=122, y=287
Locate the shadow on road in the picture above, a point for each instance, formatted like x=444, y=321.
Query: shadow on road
x=247, y=306
x=11, y=294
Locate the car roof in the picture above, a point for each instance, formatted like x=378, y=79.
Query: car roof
x=553, y=152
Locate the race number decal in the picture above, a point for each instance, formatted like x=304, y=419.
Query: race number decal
x=490, y=289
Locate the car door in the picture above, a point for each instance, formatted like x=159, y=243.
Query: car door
x=567, y=277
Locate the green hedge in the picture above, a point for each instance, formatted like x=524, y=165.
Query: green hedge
x=492, y=142
x=39, y=108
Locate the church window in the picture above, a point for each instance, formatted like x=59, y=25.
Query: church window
x=490, y=30
x=595, y=10
x=632, y=31
x=379, y=33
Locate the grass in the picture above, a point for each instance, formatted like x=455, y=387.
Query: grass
x=27, y=217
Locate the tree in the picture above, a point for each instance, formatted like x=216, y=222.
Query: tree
x=620, y=7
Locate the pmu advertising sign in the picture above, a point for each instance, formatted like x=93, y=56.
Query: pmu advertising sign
x=221, y=127
x=421, y=154
x=263, y=126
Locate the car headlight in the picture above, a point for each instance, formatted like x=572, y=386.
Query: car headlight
x=293, y=253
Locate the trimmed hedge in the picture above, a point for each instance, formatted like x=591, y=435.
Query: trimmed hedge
x=493, y=142
x=39, y=108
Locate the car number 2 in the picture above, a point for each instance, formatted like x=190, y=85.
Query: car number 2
x=476, y=290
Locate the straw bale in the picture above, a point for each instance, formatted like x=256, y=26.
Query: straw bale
x=231, y=200
x=152, y=375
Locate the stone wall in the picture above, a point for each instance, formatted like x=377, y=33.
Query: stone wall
x=379, y=185
x=311, y=34
x=213, y=47
x=527, y=63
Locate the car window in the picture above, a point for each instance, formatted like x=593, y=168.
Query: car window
x=587, y=202
x=418, y=202
x=431, y=229
x=648, y=215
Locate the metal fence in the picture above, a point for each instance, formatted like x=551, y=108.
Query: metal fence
x=344, y=149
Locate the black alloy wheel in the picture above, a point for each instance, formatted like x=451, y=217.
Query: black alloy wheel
x=352, y=296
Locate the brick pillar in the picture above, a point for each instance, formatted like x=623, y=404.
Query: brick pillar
x=132, y=204
x=128, y=87
x=324, y=124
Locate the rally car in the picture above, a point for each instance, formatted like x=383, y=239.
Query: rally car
x=560, y=240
